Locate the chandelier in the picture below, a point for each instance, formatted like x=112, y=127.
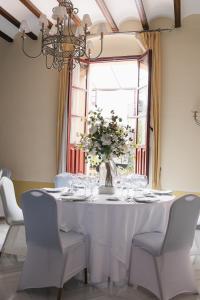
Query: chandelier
x=61, y=44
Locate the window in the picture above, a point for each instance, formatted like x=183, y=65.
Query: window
x=122, y=85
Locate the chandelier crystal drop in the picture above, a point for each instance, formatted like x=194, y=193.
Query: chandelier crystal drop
x=61, y=44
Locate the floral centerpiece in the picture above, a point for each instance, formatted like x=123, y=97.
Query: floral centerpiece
x=106, y=139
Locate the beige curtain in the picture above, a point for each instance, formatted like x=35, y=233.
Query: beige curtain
x=151, y=40
x=61, y=115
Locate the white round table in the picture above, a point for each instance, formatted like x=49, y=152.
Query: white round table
x=110, y=227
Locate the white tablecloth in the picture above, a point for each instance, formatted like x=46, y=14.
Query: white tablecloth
x=111, y=227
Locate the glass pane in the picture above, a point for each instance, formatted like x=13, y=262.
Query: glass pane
x=141, y=131
x=77, y=127
x=121, y=101
x=79, y=77
x=78, y=102
x=143, y=101
x=143, y=73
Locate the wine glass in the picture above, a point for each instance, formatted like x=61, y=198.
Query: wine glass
x=143, y=181
x=126, y=186
x=139, y=183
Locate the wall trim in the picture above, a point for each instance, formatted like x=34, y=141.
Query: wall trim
x=23, y=186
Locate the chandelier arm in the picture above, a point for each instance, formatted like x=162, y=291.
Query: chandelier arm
x=23, y=48
x=101, y=50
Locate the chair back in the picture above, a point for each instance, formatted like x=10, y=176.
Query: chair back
x=5, y=173
x=41, y=219
x=63, y=180
x=182, y=222
x=11, y=209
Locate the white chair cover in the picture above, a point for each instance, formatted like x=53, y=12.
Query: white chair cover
x=13, y=213
x=3, y=173
x=62, y=179
x=53, y=257
x=161, y=263
x=15, y=239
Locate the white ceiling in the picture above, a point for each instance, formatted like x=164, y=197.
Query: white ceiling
x=190, y=7
x=121, y=11
x=7, y=27
x=156, y=8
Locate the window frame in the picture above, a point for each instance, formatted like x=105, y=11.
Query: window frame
x=137, y=58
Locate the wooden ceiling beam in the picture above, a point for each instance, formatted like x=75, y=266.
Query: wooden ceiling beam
x=33, y=9
x=105, y=11
x=37, y=12
x=5, y=37
x=177, y=13
x=15, y=22
x=141, y=11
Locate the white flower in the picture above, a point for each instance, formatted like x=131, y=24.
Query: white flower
x=93, y=152
x=93, y=129
x=97, y=145
x=125, y=148
x=106, y=140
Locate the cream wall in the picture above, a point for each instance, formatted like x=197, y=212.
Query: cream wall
x=28, y=104
x=180, y=152
x=180, y=142
x=28, y=101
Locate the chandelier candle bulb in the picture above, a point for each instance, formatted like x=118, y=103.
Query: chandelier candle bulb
x=59, y=12
x=24, y=27
x=102, y=28
x=86, y=20
x=43, y=21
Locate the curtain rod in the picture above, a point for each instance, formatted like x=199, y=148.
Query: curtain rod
x=134, y=32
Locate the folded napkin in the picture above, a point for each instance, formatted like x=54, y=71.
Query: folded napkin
x=114, y=198
x=64, y=228
x=53, y=190
x=74, y=198
x=159, y=192
x=146, y=199
x=67, y=193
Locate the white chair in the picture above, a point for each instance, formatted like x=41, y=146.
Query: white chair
x=195, y=251
x=13, y=214
x=5, y=173
x=63, y=180
x=53, y=256
x=161, y=262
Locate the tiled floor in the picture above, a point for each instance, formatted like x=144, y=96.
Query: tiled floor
x=10, y=271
